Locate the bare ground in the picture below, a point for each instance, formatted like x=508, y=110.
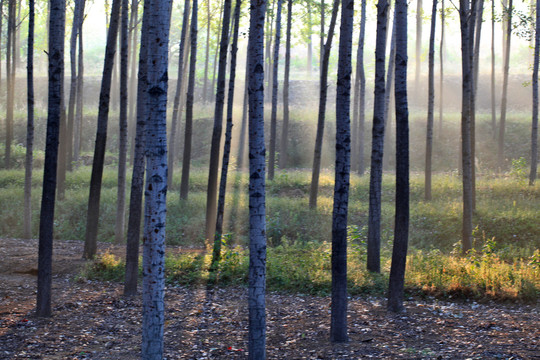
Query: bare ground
x=92, y=320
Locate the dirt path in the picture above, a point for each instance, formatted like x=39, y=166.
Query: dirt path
x=93, y=321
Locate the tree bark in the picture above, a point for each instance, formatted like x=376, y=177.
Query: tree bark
x=90, y=243
x=46, y=224
x=377, y=143
x=441, y=62
x=338, y=323
x=10, y=76
x=419, y=13
x=534, y=127
x=283, y=156
x=504, y=98
x=431, y=104
x=401, y=232
x=323, y=90
x=273, y=118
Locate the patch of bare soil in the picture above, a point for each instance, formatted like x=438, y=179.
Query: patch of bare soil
x=92, y=320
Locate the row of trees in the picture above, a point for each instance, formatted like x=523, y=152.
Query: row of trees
x=150, y=145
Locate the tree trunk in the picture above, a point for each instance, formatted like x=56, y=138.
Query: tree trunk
x=137, y=178
x=213, y=168
x=323, y=90
x=283, y=156
x=321, y=55
x=28, y=164
x=216, y=53
x=122, y=131
x=338, y=323
x=184, y=183
x=1, y=37
x=243, y=126
x=493, y=101
x=268, y=51
x=504, y=98
x=257, y=191
x=207, y=53
x=441, y=62
x=10, y=76
x=46, y=223
x=179, y=88
x=79, y=101
x=133, y=37
x=431, y=104
x=401, y=232
x=273, y=119
x=62, y=147
x=534, y=127
x=388, y=95
x=90, y=243
x=156, y=180
x=418, y=70
x=359, y=103
x=216, y=255
x=377, y=143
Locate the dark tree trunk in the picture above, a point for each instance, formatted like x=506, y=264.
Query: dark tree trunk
x=46, y=224
x=90, y=243
x=401, y=232
x=431, y=104
x=338, y=323
x=504, y=98
x=179, y=88
x=257, y=191
x=27, y=231
x=273, y=118
x=133, y=37
x=323, y=90
x=213, y=169
x=184, y=183
x=534, y=127
x=283, y=157
x=216, y=255
x=377, y=143
x=62, y=147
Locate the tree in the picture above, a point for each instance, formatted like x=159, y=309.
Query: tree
x=493, y=103
x=419, y=13
x=216, y=255
x=243, y=125
x=504, y=99
x=338, y=324
x=184, y=182
x=401, y=232
x=29, y=125
x=534, y=127
x=207, y=51
x=323, y=90
x=431, y=103
x=156, y=180
x=283, y=157
x=90, y=242
x=359, y=102
x=441, y=62
x=273, y=116
x=257, y=191
x=122, y=131
x=10, y=76
x=213, y=169
x=377, y=143
x=54, y=109
x=77, y=128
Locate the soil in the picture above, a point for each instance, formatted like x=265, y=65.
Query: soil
x=92, y=320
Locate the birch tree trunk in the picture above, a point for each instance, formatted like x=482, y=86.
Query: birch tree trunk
x=273, y=118
x=46, y=224
x=377, y=143
x=257, y=197
x=431, y=104
x=338, y=323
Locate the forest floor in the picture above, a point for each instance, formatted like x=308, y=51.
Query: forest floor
x=92, y=320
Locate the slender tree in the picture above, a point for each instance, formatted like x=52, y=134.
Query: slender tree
x=273, y=118
x=80, y=89
x=46, y=224
x=323, y=90
x=10, y=76
x=388, y=95
x=493, y=101
x=377, y=143
x=184, y=182
x=359, y=103
x=133, y=41
x=217, y=52
x=338, y=323
x=29, y=124
x=534, y=127
x=441, y=63
x=323, y=17
x=504, y=98
x=431, y=104
x=243, y=125
x=401, y=232
x=207, y=52
x=419, y=13
x=90, y=243
x=283, y=156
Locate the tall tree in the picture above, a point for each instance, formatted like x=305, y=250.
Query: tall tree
x=359, y=103
x=493, y=102
x=431, y=104
x=213, y=169
x=156, y=180
x=273, y=118
x=207, y=52
x=257, y=191
x=441, y=63
x=133, y=41
x=388, y=95
x=338, y=323
x=283, y=156
x=80, y=88
x=534, y=127
x=418, y=69
x=184, y=182
x=323, y=90
x=321, y=55
x=179, y=89
x=216, y=254
x=377, y=143
x=122, y=131
x=28, y=164
x=92, y=220
x=401, y=232
x=243, y=125
x=10, y=76
x=504, y=99
x=54, y=109
x=216, y=52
